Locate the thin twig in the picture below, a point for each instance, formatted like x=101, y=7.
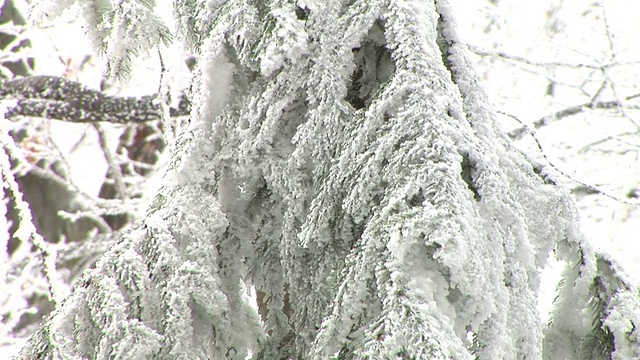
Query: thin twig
x=586, y=147
x=94, y=216
x=107, y=205
x=163, y=70
x=114, y=167
x=572, y=110
x=596, y=97
x=59, y=156
x=613, y=55
x=27, y=230
x=524, y=60
x=595, y=189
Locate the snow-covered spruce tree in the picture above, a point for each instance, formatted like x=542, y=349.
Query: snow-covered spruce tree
x=342, y=159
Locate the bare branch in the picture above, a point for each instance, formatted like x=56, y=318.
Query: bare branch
x=591, y=188
x=54, y=97
x=114, y=167
x=524, y=60
x=572, y=110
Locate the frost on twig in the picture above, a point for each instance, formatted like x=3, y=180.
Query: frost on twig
x=136, y=157
x=18, y=250
x=54, y=97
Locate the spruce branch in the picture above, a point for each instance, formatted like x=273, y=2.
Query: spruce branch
x=54, y=97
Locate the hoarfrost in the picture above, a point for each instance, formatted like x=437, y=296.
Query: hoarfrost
x=342, y=159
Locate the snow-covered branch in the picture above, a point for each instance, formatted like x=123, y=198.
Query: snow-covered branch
x=54, y=97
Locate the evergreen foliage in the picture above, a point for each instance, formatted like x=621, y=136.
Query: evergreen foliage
x=342, y=159
x=596, y=312
x=120, y=30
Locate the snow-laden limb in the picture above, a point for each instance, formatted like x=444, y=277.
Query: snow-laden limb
x=13, y=303
x=7, y=287
x=26, y=232
x=597, y=309
x=596, y=312
x=361, y=168
x=54, y=97
x=100, y=321
x=341, y=158
x=458, y=207
x=27, y=276
x=172, y=287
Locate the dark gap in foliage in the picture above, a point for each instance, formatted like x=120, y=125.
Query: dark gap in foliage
x=374, y=67
x=384, y=163
x=302, y=13
x=454, y=295
x=247, y=73
x=344, y=353
x=467, y=172
x=455, y=113
x=444, y=45
x=417, y=199
x=402, y=142
x=346, y=4
x=357, y=230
